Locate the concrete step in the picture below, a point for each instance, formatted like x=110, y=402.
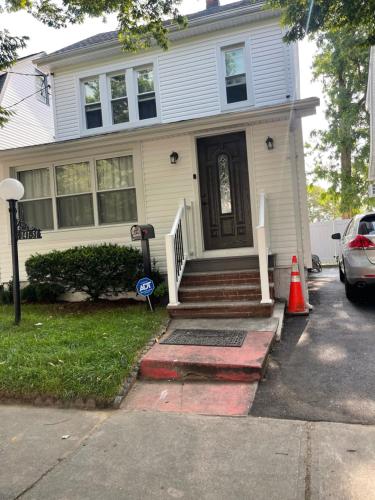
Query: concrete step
x=209, y=293
x=221, y=309
x=244, y=277
x=232, y=364
x=226, y=263
x=196, y=397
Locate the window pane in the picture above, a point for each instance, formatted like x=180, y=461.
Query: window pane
x=147, y=106
x=115, y=173
x=234, y=61
x=94, y=116
x=75, y=211
x=117, y=206
x=224, y=182
x=120, y=111
x=37, y=213
x=92, y=92
x=118, y=86
x=236, y=93
x=145, y=81
x=74, y=178
x=36, y=183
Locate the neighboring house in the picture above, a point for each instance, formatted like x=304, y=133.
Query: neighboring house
x=24, y=90
x=371, y=110
x=214, y=121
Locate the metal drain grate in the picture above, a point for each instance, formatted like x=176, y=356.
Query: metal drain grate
x=215, y=338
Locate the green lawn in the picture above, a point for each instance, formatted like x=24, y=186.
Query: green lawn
x=72, y=351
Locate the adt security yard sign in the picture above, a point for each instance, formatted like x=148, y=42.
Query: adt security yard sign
x=145, y=287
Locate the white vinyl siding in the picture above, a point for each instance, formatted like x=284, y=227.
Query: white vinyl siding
x=187, y=79
x=32, y=122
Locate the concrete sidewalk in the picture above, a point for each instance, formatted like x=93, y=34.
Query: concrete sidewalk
x=146, y=455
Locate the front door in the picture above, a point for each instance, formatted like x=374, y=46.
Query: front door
x=225, y=191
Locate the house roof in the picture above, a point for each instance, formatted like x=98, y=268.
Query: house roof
x=110, y=36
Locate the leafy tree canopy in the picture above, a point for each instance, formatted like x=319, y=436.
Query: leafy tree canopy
x=140, y=23
x=303, y=17
x=322, y=204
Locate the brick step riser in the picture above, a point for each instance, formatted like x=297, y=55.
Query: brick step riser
x=172, y=371
x=254, y=312
x=228, y=279
x=218, y=296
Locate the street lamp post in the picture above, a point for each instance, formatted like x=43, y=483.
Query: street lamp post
x=11, y=190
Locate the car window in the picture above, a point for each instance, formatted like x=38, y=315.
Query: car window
x=367, y=225
x=348, y=228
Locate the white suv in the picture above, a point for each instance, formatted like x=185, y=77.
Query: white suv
x=357, y=254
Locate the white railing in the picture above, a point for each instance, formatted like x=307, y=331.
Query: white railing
x=178, y=249
x=263, y=249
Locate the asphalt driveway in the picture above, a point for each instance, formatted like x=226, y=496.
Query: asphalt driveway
x=324, y=368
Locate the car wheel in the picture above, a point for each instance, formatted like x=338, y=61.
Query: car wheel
x=342, y=275
x=351, y=291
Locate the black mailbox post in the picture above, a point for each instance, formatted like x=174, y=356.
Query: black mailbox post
x=143, y=233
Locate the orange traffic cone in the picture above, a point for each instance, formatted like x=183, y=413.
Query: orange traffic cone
x=296, y=304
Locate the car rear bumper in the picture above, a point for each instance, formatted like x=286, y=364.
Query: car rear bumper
x=358, y=269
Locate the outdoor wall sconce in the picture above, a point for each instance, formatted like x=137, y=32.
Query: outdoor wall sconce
x=173, y=158
x=269, y=142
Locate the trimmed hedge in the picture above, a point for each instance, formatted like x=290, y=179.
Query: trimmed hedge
x=96, y=269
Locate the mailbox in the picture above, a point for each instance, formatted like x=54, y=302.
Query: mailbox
x=142, y=232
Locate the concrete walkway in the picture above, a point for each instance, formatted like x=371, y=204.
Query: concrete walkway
x=146, y=455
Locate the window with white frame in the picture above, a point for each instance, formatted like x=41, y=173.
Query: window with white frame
x=35, y=208
x=42, y=88
x=119, y=99
x=93, y=107
x=86, y=193
x=146, y=94
x=235, y=74
x=116, y=190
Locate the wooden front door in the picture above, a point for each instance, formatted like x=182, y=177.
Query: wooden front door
x=225, y=192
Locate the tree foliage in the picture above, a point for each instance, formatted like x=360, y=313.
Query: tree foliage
x=342, y=150
x=302, y=17
x=140, y=23
x=322, y=204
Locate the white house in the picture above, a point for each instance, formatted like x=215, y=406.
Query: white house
x=24, y=91
x=371, y=109
x=202, y=141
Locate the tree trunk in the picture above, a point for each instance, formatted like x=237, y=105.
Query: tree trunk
x=346, y=182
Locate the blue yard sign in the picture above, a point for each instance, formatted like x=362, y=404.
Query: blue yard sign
x=145, y=287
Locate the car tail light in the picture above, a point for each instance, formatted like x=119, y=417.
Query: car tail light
x=360, y=241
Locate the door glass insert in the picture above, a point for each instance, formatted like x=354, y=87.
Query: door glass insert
x=224, y=183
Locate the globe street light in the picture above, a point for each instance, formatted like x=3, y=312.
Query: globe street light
x=11, y=190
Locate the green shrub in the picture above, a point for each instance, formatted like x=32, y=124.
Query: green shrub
x=6, y=294
x=42, y=292
x=96, y=270
x=161, y=290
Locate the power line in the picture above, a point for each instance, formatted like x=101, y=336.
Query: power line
x=28, y=96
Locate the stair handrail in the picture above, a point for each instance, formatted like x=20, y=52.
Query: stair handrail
x=177, y=243
x=263, y=248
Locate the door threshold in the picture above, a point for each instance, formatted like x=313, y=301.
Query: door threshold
x=230, y=252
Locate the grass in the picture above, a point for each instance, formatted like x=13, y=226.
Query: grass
x=72, y=351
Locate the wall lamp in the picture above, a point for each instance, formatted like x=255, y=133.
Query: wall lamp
x=269, y=142
x=173, y=157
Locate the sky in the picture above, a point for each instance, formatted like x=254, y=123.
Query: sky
x=43, y=38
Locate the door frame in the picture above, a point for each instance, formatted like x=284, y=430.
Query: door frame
x=199, y=237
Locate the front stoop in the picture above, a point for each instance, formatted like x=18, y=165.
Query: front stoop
x=222, y=294
x=202, y=379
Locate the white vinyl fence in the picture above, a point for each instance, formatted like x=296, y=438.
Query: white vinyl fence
x=321, y=242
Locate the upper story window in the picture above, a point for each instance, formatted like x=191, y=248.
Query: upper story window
x=146, y=94
x=119, y=99
x=235, y=74
x=126, y=96
x=41, y=84
x=93, y=107
x=235, y=84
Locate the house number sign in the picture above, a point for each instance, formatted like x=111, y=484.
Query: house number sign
x=26, y=232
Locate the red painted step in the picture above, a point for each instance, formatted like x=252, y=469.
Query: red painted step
x=222, y=278
x=236, y=364
x=221, y=309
